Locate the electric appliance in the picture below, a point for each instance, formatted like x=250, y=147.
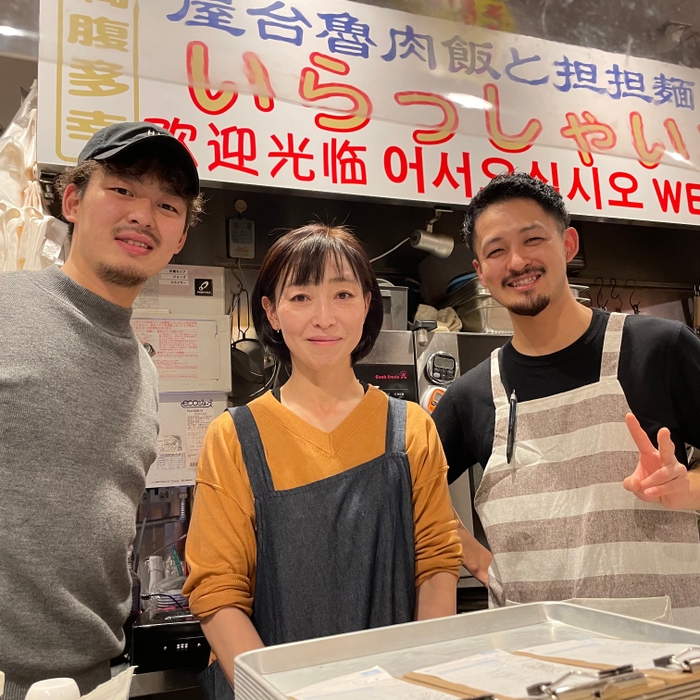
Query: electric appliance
x=391, y=365
x=163, y=640
x=180, y=318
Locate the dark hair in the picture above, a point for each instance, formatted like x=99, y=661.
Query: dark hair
x=299, y=258
x=509, y=186
x=150, y=162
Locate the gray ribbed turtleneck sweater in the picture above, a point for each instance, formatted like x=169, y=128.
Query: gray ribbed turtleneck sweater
x=78, y=431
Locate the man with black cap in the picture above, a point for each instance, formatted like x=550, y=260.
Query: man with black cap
x=78, y=408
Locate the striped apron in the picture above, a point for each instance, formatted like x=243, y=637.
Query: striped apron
x=557, y=518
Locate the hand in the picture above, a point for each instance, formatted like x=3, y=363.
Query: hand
x=659, y=476
x=477, y=564
x=476, y=559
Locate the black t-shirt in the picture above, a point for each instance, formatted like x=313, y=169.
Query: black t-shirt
x=659, y=372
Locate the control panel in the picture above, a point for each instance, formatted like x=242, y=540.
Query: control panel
x=441, y=368
x=430, y=398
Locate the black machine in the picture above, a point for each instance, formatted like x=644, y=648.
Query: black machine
x=167, y=639
x=391, y=365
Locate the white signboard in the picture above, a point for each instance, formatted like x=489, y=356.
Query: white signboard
x=337, y=96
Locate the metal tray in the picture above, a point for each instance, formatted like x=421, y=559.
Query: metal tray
x=483, y=314
x=274, y=672
x=486, y=301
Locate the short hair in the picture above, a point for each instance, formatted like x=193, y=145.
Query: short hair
x=149, y=162
x=300, y=258
x=517, y=185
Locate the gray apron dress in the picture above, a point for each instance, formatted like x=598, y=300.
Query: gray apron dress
x=557, y=518
x=333, y=556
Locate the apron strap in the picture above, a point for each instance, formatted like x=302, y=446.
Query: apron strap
x=253, y=451
x=498, y=391
x=611, y=346
x=396, y=425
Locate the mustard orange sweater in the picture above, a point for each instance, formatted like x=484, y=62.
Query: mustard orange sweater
x=221, y=547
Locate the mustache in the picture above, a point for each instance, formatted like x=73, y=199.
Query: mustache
x=144, y=232
x=531, y=269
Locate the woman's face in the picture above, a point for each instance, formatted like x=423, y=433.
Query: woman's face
x=321, y=324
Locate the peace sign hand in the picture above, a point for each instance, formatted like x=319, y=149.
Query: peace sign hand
x=659, y=476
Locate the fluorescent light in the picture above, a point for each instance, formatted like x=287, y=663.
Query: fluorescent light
x=470, y=101
x=13, y=31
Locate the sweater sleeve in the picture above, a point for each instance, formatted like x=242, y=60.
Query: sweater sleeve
x=221, y=539
x=437, y=542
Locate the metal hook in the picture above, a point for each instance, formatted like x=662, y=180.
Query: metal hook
x=436, y=216
x=635, y=307
x=599, y=304
x=613, y=284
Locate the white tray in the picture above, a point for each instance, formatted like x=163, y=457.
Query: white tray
x=274, y=672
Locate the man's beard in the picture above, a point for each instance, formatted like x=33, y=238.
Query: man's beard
x=121, y=275
x=531, y=305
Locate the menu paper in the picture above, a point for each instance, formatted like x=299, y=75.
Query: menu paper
x=607, y=653
x=373, y=684
x=495, y=672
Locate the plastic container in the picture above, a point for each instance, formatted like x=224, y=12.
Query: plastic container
x=54, y=689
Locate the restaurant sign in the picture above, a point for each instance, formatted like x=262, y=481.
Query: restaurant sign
x=341, y=97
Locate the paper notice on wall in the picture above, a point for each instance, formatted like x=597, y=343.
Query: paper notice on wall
x=183, y=424
x=174, y=277
x=198, y=420
x=171, y=453
x=175, y=343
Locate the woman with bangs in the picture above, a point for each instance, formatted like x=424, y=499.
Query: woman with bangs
x=321, y=508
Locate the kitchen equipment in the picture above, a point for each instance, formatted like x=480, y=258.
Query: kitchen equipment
x=437, y=244
x=484, y=315
x=167, y=639
x=481, y=313
x=275, y=672
x=253, y=368
x=437, y=365
x=459, y=281
x=395, y=303
x=434, y=243
x=244, y=350
x=391, y=365
x=180, y=317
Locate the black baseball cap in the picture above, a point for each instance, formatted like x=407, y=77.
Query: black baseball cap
x=126, y=136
